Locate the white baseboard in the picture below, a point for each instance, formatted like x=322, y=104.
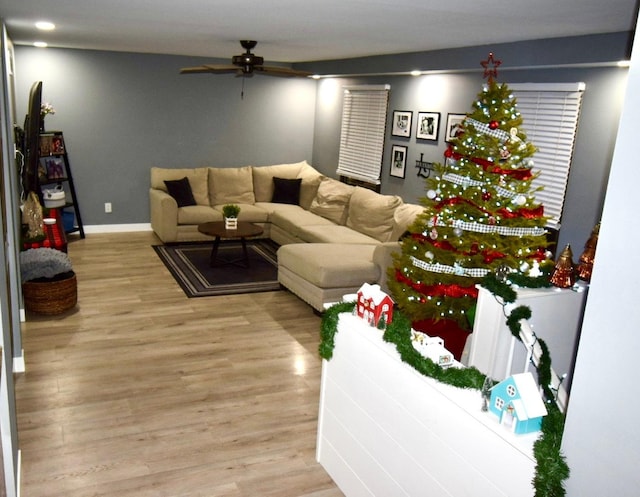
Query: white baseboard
x=19, y=365
x=117, y=228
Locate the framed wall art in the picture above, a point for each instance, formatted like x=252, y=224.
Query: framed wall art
x=453, y=124
x=398, y=161
x=401, y=125
x=428, y=126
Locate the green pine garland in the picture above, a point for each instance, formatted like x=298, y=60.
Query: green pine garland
x=329, y=328
x=551, y=468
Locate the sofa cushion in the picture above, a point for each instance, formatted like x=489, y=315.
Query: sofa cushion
x=271, y=208
x=286, y=191
x=332, y=200
x=263, y=178
x=231, y=185
x=197, y=214
x=333, y=233
x=294, y=220
x=330, y=265
x=309, y=187
x=371, y=213
x=403, y=217
x=180, y=190
x=197, y=179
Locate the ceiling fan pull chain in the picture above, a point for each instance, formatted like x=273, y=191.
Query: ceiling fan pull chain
x=242, y=90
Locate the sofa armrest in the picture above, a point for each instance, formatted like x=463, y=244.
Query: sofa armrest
x=383, y=259
x=164, y=215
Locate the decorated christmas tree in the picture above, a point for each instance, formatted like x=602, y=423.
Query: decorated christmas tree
x=480, y=216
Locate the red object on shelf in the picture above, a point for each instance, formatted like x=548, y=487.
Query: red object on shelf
x=55, y=236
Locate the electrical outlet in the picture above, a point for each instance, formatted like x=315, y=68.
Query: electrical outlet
x=107, y=207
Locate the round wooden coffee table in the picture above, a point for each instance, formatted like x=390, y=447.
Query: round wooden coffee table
x=218, y=231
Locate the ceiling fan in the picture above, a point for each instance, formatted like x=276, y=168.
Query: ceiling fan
x=245, y=65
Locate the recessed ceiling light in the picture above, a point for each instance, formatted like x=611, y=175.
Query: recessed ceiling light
x=45, y=25
x=40, y=44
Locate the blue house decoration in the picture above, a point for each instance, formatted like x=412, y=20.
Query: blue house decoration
x=518, y=404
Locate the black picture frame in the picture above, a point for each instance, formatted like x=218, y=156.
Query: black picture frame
x=54, y=167
x=428, y=126
x=401, y=123
x=453, y=123
x=398, y=166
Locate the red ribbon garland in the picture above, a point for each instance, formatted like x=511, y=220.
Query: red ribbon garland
x=539, y=255
x=534, y=213
x=458, y=200
x=439, y=289
x=488, y=256
x=519, y=174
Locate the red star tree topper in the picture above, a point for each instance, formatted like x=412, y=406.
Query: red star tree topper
x=491, y=73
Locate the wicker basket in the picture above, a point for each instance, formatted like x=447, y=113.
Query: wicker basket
x=50, y=297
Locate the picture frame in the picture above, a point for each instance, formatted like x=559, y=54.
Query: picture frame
x=54, y=167
x=398, y=164
x=401, y=124
x=51, y=144
x=428, y=126
x=453, y=123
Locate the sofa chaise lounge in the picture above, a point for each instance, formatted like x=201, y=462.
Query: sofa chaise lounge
x=333, y=236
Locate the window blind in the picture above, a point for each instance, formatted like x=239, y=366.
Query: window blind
x=550, y=115
x=364, y=117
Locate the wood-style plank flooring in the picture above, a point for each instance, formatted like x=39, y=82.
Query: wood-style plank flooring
x=143, y=392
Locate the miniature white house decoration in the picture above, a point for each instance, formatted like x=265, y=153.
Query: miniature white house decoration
x=431, y=348
x=373, y=305
x=518, y=404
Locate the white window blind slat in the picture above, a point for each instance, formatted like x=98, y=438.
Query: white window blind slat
x=550, y=114
x=364, y=117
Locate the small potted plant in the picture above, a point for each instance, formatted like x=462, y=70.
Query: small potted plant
x=230, y=213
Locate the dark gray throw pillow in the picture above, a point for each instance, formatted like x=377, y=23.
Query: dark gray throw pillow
x=180, y=189
x=286, y=191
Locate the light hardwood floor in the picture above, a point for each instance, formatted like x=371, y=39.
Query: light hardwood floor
x=143, y=392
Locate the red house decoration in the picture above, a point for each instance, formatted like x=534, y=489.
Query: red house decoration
x=373, y=305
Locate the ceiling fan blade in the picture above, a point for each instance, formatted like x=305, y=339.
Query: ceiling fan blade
x=282, y=71
x=209, y=68
x=246, y=65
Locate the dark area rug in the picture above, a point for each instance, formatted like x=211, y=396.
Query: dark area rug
x=189, y=265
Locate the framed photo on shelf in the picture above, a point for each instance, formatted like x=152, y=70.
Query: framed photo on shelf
x=51, y=144
x=401, y=125
x=398, y=161
x=54, y=167
x=453, y=125
x=428, y=126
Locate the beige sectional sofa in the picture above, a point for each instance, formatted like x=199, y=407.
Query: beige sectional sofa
x=333, y=238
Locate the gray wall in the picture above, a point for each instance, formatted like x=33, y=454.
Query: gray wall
x=122, y=113
x=454, y=92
